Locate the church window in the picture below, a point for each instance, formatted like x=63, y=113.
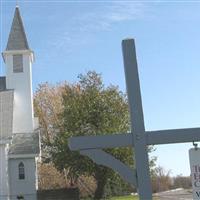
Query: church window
x=17, y=63
x=21, y=171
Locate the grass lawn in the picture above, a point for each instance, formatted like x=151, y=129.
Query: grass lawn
x=128, y=198
x=125, y=198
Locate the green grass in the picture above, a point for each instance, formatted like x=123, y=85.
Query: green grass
x=130, y=197
x=119, y=198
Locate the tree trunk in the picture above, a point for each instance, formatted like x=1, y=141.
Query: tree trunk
x=101, y=179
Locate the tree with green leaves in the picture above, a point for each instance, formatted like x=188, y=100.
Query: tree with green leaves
x=86, y=108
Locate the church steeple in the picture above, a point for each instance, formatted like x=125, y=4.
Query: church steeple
x=17, y=38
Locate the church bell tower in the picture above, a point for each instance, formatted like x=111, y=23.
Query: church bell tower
x=18, y=59
x=19, y=134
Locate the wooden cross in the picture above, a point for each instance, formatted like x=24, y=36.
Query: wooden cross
x=139, y=139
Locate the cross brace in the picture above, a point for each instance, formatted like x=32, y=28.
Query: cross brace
x=138, y=138
x=103, y=158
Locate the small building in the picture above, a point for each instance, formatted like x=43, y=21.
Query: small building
x=19, y=132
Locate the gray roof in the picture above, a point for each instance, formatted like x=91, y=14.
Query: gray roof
x=2, y=83
x=17, y=37
x=6, y=113
x=25, y=143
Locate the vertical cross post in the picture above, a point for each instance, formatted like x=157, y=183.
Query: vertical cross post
x=137, y=120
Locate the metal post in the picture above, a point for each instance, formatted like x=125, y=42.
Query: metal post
x=137, y=121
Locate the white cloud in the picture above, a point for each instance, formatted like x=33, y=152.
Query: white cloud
x=101, y=18
x=116, y=12
x=122, y=11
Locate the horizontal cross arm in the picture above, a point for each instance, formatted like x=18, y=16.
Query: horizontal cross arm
x=124, y=140
x=102, y=158
x=100, y=141
x=173, y=136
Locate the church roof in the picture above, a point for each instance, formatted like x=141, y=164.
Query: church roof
x=6, y=111
x=2, y=83
x=24, y=143
x=17, y=38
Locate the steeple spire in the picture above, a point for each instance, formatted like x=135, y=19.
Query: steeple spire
x=17, y=3
x=17, y=37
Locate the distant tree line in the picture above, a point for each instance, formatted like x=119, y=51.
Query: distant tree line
x=162, y=181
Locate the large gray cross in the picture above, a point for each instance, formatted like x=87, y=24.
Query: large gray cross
x=139, y=139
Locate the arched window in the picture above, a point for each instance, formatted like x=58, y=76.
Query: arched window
x=21, y=171
x=20, y=197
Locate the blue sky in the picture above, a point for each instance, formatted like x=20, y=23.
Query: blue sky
x=71, y=37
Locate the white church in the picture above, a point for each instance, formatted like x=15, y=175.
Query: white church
x=19, y=132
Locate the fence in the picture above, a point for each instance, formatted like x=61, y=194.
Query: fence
x=59, y=194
